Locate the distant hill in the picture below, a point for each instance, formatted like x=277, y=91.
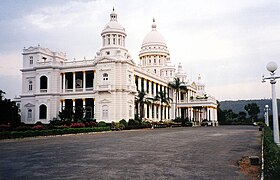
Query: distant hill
x=237, y=106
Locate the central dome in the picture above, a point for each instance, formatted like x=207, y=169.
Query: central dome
x=153, y=37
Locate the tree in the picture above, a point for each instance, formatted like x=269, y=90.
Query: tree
x=8, y=111
x=253, y=110
x=163, y=98
x=1, y=95
x=177, y=85
x=242, y=115
x=141, y=100
x=66, y=115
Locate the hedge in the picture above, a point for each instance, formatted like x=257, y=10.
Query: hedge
x=32, y=133
x=271, y=156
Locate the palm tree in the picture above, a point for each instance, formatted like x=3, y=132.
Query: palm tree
x=141, y=100
x=162, y=97
x=177, y=85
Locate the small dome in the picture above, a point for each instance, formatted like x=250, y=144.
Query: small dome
x=153, y=37
x=200, y=81
x=113, y=25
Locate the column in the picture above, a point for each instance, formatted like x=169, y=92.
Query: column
x=145, y=110
x=84, y=103
x=145, y=85
x=150, y=111
x=150, y=87
x=64, y=83
x=63, y=103
x=93, y=83
x=159, y=112
x=155, y=86
x=165, y=112
x=84, y=81
x=179, y=96
x=61, y=82
x=93, y=111
x=139, y=84
x=74, y=82
x=73, y=101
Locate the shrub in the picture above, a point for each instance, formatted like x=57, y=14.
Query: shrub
x=77, y=125
x=271, y=156
x=23, y=128
x=4, y=127
x=101, y=124
x=123, y=122
x=260, y=123
x=117, y=126
x=146, y=124
x=132, y=124
x=32, y=133
x=56, y=122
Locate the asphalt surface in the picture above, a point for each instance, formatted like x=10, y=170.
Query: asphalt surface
x=169, y=153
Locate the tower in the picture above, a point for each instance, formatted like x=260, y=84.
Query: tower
x=113, y=38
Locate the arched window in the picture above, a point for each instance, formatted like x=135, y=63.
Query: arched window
x=29, y=114
x=43, y=83
x=105, y=77
x=42, y=111
x=105, y=112
x=30, y=85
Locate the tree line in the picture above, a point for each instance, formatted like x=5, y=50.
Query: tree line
x=248, y=116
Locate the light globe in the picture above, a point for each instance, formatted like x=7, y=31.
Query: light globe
x=266, y=106
x=271, y=66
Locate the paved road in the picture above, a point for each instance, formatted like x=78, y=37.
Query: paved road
x=169, y=153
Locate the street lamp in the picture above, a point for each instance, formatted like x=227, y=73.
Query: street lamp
x=271, y=67
x=266, y=108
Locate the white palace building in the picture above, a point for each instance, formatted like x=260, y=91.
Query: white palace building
x=107, y=85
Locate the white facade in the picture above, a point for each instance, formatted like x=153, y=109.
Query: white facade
x=107, y=85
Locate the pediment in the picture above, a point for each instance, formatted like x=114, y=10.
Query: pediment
x=29, y=105
x=105, y=101
x=103, y=60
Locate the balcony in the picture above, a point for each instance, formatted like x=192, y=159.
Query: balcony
x=105, y=87
x=43, y=90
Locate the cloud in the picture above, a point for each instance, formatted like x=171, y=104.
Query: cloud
x=227, y=42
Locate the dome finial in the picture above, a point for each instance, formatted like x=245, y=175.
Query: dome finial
x=154, y=26
x=113, y=15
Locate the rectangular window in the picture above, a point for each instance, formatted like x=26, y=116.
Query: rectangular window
x=31, y=59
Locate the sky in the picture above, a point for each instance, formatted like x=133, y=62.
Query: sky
x=227, y=42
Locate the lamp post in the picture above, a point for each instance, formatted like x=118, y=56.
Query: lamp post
x=271, y=67
x=266, y=108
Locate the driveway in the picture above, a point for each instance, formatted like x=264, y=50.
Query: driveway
x=169, y=153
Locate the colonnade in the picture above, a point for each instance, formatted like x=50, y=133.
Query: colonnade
x=155, y=110
x=77, y=81
x=88, y=105
x=198, y=114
